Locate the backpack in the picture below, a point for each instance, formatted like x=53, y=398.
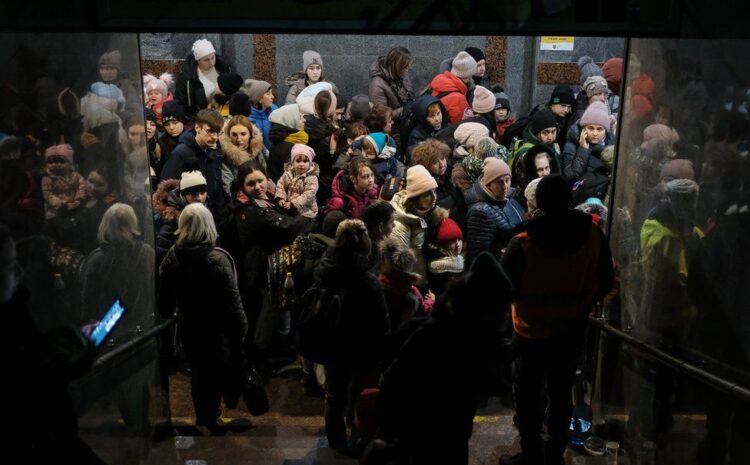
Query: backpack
x=320, y=324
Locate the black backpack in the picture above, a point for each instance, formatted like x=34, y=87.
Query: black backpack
x=321, y=325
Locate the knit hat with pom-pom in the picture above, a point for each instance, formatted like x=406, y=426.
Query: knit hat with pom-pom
x=160, y=84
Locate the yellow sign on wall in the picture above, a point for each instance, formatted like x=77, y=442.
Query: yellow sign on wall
x=557, y=43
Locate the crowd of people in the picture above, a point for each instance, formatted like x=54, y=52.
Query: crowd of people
x=419, y=215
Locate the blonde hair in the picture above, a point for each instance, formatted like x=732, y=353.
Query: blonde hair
x=119, y=225
x=196, y=225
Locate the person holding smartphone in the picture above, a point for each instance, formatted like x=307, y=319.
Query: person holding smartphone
x=38, y=424
x=582, y=163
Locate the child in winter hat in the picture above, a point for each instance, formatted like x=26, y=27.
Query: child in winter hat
x=397, y=277
x=445, y=259
x=63, y=188
x=193, y=182
x=298, y=186
x=464, y=66
x=157, y=92
x=595, y=85
x=380, y=149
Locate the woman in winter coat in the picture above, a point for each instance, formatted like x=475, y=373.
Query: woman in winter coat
x=467, y=161
x=102, y=191
x=426, y=415
x=261, y=107
x=320, y=128
x=312, y=73
x=214, y=324
x=240, y=142
x=254, y=228
x=344, y=270
x=539, y=161
x=122, y=267
x=434, y=155
x=582, y=163
x=287, y=129
x=494, y=215
x=417, y=215
x=389, y=83
x=353, y=188
x=197, y=81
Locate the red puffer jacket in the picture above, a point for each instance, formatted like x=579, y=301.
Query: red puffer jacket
x=455, y=101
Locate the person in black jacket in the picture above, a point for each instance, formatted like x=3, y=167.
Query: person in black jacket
x=345, y=267
x=429, y=394
x=199, y=150
x=197, y=81
x=254, y=227
x=39, y=424
x=431, y=118
x=214, y=323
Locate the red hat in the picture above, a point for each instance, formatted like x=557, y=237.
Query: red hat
x=449, y=231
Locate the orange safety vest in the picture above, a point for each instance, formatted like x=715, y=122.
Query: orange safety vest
x=555, y=289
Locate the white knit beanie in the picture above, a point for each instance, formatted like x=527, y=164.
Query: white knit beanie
x=201, y=48
x=191, y=182
x=464, y=66
x=419, y=181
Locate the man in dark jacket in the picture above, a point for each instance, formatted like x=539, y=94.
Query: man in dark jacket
x=494, y=215
x=39, y=423
x=199, y=150
x=560, y=268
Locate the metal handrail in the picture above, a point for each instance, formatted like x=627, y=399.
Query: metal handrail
x=733, y=389
x=135, y=342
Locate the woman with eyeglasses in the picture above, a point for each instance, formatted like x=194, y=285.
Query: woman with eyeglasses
x=199, y=150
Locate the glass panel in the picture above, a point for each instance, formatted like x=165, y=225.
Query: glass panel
x=75, y=192
x=680, y=239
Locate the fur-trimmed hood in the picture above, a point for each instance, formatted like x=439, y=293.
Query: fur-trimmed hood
x=160, y=200
x=236, y=156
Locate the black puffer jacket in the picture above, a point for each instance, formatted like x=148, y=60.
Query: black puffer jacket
x=365, y=312
x=167, y=204
x=281, y=150
x=490, y=224
x=214, y=323
x=423, y=130
x=188, y=89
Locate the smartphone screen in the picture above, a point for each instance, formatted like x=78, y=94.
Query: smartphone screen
x=107, y=323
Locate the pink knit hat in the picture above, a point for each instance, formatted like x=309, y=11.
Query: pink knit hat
x=302, y=149
x=63, y=150
x=492, y=169
x=596, y=114
x=419, y=181
x=484, y=100
x=160, y=84
x=468, y=134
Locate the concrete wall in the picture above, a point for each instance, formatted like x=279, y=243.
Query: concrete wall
x=347, y=58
